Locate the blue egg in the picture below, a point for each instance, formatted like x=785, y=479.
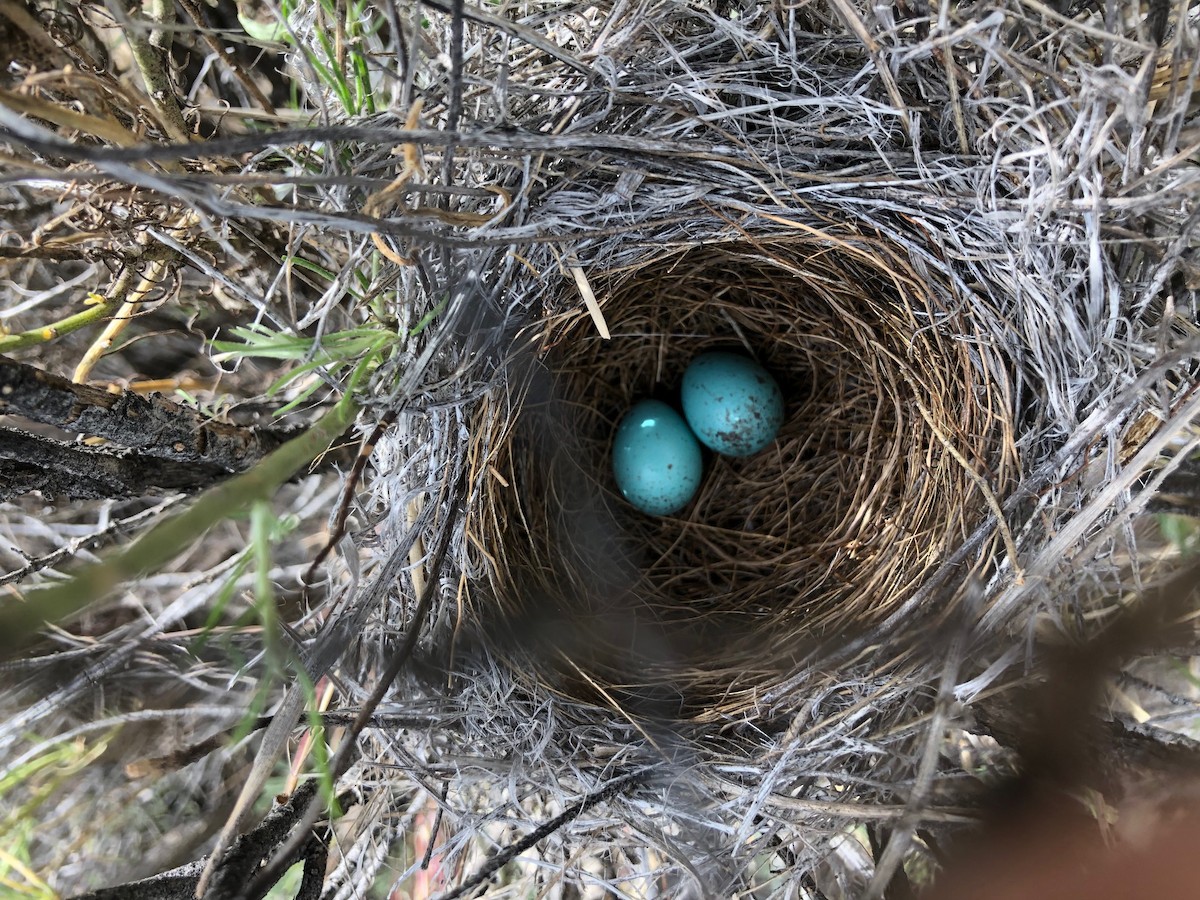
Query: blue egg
x=656, y=459
x=732, y=403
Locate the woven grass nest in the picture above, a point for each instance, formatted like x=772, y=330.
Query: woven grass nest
x=894, y=408
x=964, y=239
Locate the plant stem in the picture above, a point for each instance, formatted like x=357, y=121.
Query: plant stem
x=120, y=321
x=152, y=62
x=91, y=315
x=158, y=546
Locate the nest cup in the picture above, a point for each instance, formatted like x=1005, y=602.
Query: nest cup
x=895, y=425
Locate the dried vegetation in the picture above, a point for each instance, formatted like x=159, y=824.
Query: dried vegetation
x=966, y=238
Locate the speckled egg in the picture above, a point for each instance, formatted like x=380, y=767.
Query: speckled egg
x=732, y=403
x=656, y=459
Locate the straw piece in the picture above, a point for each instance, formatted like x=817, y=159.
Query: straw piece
x=589, y=300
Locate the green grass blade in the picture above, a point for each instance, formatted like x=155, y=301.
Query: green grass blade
x=22, y=617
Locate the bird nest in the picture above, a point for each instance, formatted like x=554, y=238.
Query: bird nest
x=896, y=436
x=965, y=241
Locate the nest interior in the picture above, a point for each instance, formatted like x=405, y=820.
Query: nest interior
x=897, y=427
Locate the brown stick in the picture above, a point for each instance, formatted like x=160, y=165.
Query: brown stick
x=153, y=425
x=57, y=469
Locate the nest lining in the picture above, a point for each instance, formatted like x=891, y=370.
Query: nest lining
x=797, y=548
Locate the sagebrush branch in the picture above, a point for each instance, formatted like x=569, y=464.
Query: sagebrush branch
x=155, y=547
x=153, y=425
x=58, y=469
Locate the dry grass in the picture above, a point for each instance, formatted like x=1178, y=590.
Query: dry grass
x=799, y=550
x=965, y=238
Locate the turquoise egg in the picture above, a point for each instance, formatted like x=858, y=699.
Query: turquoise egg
x=732, y=403
x=656, y=459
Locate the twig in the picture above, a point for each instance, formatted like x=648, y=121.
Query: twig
x=180, y=883
x=900, y=888
x=375, y=204
x=148, y=283
x=454, y=107
x=54, y=253
x=349, y=748
x=93, y=314
x=316, y=858
x=427, y=857
x=69, y=118
x=89, y=542
x=281, y=828
x=854, y=22
x=155, y=548
x=154, y=425
x=152, y=64
x=185, y=756
x=901, y=837
x=92, y=473
x=348, y=488
x=120, y=320
x=218, y=49
x=19, y=15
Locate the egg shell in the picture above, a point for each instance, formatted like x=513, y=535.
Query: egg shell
x=656, y=459
x=732, y=403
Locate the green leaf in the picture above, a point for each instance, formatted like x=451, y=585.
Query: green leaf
x=1180, y=530
x=274, y=32
x=428, y=318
